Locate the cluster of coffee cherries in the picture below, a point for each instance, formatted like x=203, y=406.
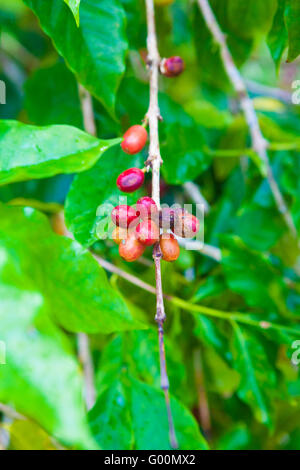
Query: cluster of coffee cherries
x=144, y=225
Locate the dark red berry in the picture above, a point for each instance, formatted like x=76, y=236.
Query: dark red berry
x=169, y=247
x=124, y=216
x=146, y=208
x=131, y=249
x=186, y=225
x=147, y=232
x=134, y=139
x=172, y=66
x=130, y=180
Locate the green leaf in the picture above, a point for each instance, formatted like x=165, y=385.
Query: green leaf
x=211, y=332
x=251, y=275
x=74, y=6
x=211, y=68
x=28, y=152
x=148, y=408
x=97, y=188
x=252, y=18
x=27, y=435
x=126, y=415
x=41, y=377
x=95, y=51
x=277, y=37
x=292, y=21
x=257, y=375
x=208, y=115
x=45, y=91
x=237, y=438
x=74, y=287
x=124, y=399
x=258, y=227
x=110, y=419
x=184, y=157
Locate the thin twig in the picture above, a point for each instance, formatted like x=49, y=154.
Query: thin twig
x=265, y=90
x=154, y=160
x=84, y=352
x=207, y=250
x=259, y=143
x=193, y=191
x=203, y=406
x=201, y=309
x=86, y=360
x=10, y=412
x=129, y=277
x=87, y=110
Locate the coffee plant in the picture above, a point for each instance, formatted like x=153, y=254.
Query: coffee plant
x=149, y=224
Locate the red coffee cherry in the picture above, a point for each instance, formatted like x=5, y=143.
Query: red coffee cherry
x=146, y=208
x=169, y=247
x=134, y=139
x=124, y=216
x=186, y=225
x=119, y=234
x=147, y=232
x=130, y=180
x=131, y=249
x=172, y=67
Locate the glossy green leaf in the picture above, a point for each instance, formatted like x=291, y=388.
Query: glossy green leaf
x=72, y=284
x=41, y=377
x=46, y=90
x=140, y=351
x=252, y=18
x=95, y=192
x=110, y=419
x=28, y=152
x=292, y=21
x=121, y=393
x=211, y=333
x=74, y=6
x=96, y=50
x=148, y=409
x=277, y=37
x=257, y=376
x=141, y=407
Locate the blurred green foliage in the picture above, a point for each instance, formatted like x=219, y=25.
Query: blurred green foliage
x=231, y=325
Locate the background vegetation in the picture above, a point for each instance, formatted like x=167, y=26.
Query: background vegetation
x=232, y=322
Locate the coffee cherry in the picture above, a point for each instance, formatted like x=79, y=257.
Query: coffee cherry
x=130, y=180
x=147, y=232
x=134, y=139
x=146, y=208
x=166, y=218
x=172, y=67
x=131, y=249
x=119, y=234
x=186, y=225
x=169, y=247
x=124, y=216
